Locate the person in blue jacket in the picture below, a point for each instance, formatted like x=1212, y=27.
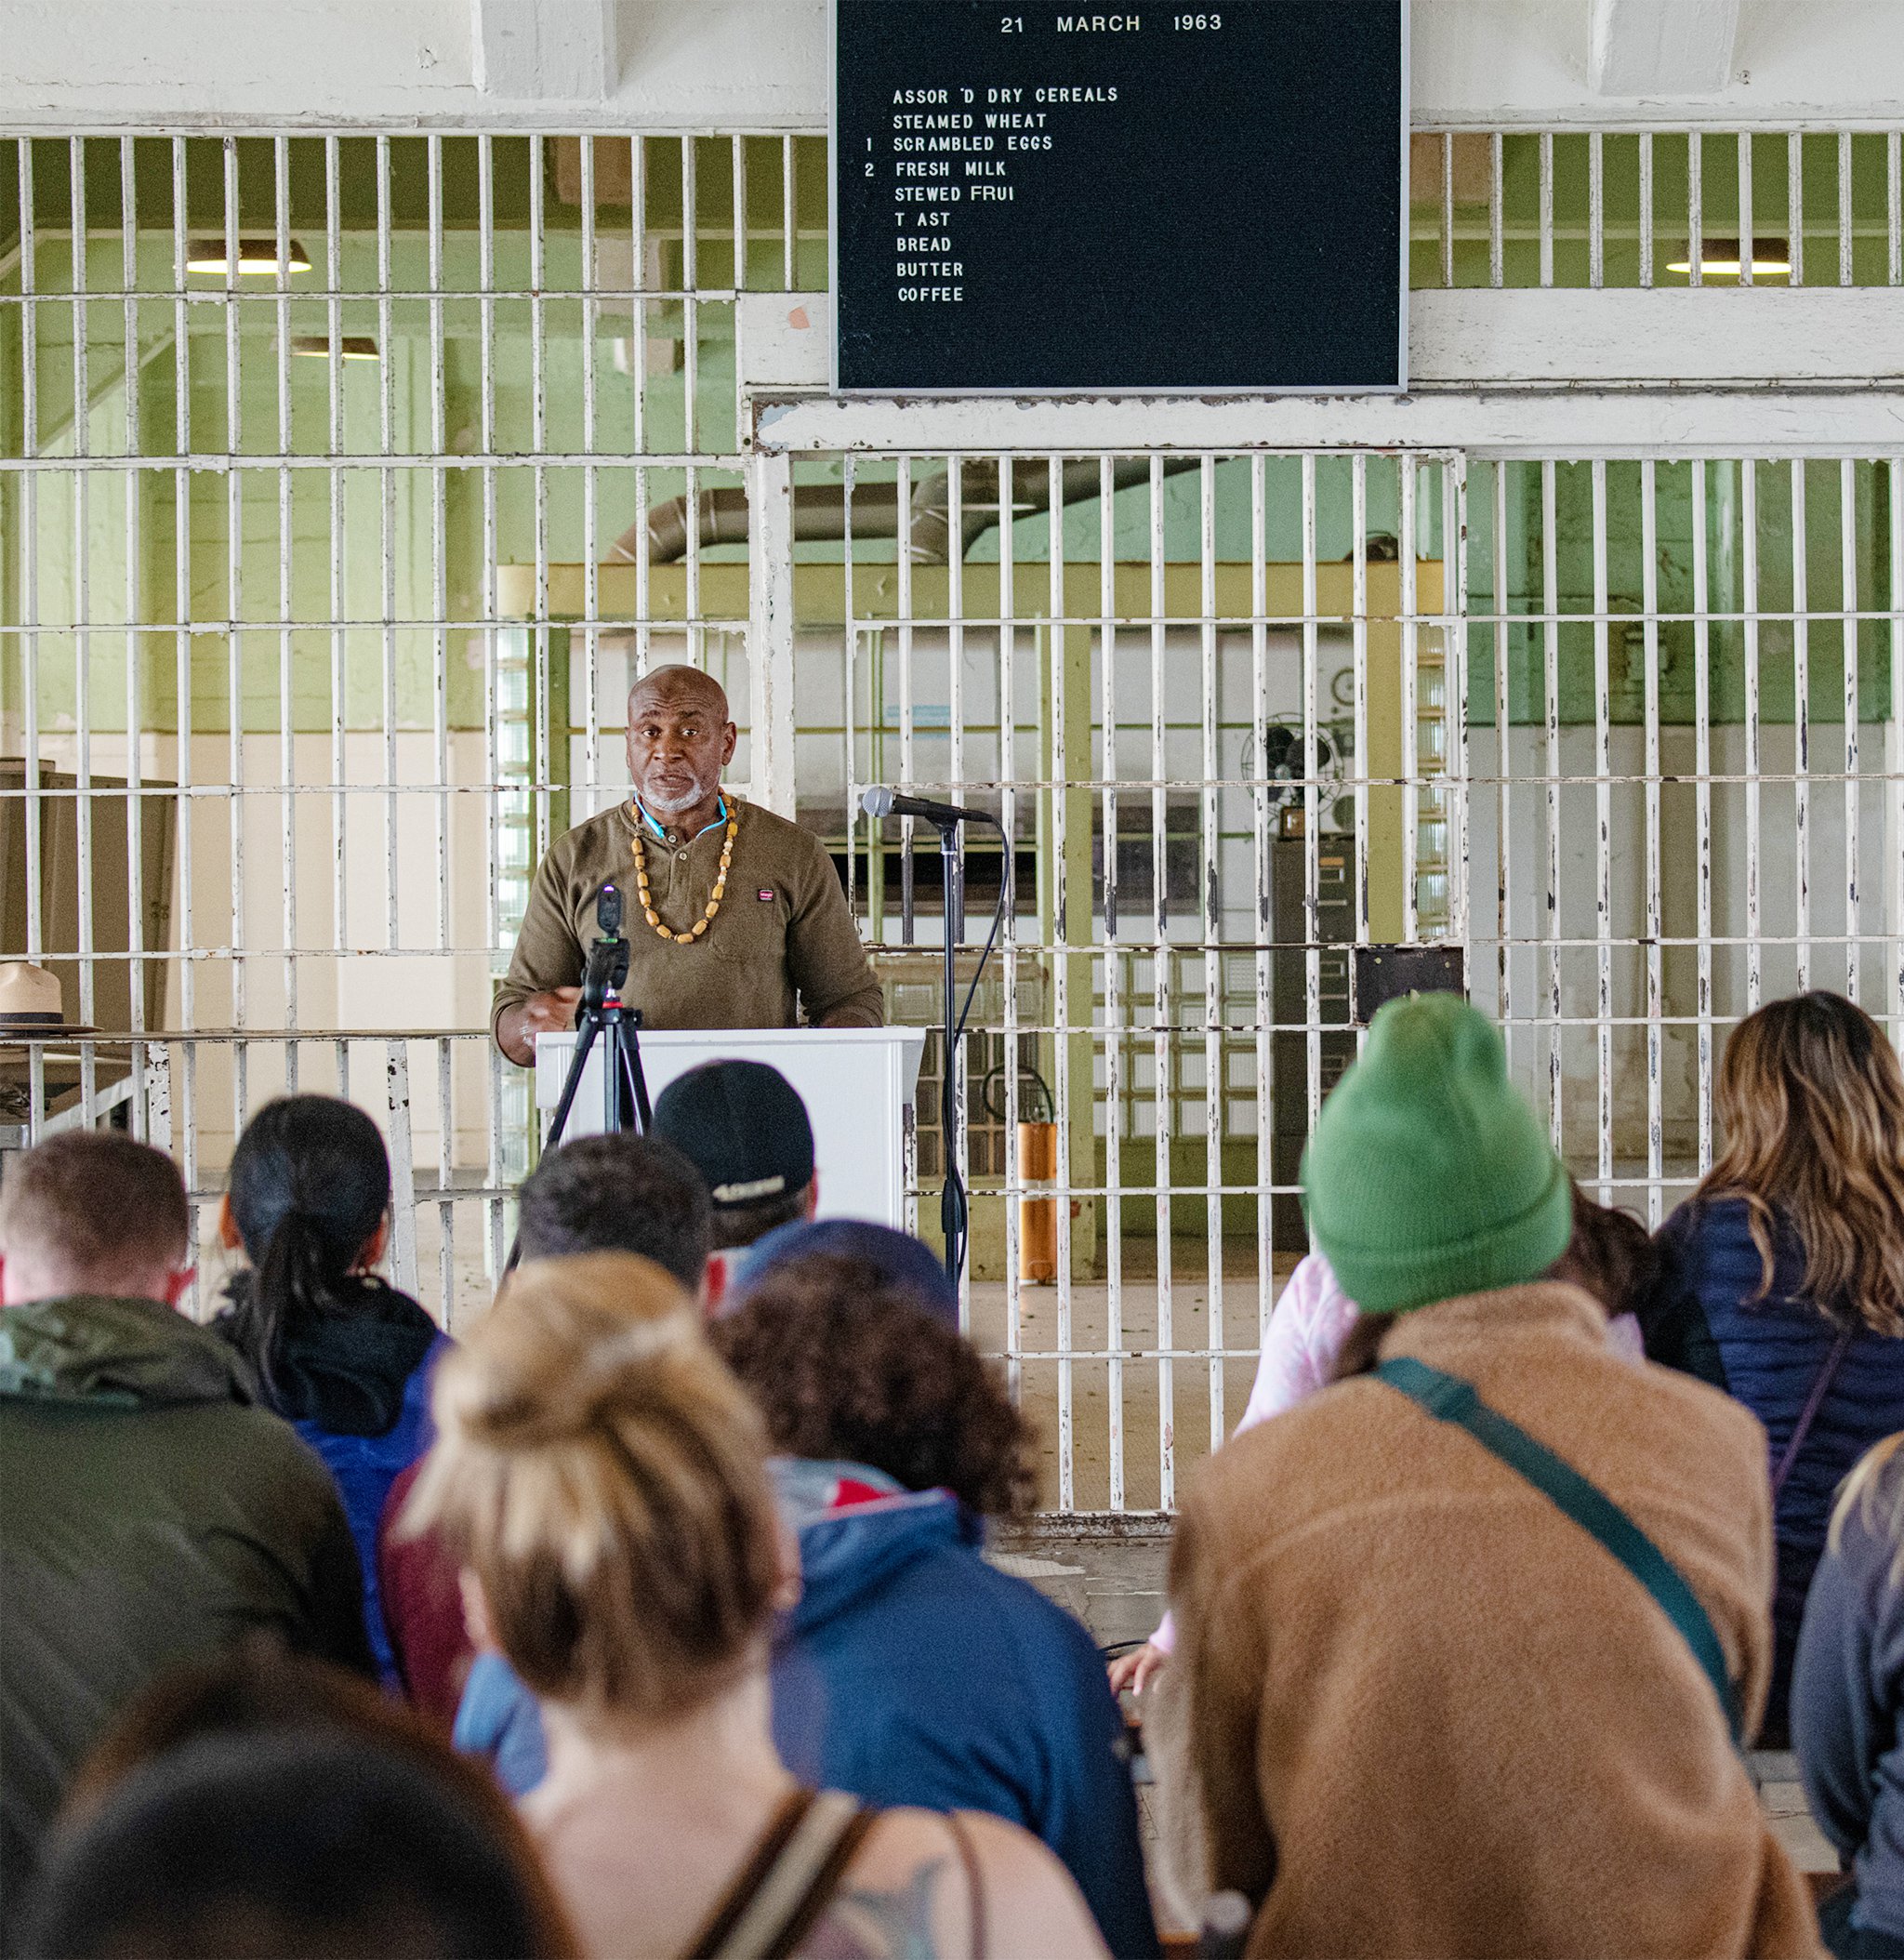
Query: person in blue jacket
x=343, y=1356
x=911, y=1672
x=1847, y=1707
x=1784, y=1272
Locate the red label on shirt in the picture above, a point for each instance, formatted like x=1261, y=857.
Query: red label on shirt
x=765, y=894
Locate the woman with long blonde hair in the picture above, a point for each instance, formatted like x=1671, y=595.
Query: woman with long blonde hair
x=1786, y=1268
x=603, y=1480
x=1847, y=1707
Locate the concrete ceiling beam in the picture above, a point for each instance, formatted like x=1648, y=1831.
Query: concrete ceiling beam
x=1655, y=48
x=538, y=50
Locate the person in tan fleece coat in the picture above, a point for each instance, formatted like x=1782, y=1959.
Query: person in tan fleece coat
x=1417, y=1710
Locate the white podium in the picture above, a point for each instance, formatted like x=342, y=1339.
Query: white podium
x=857, y=1083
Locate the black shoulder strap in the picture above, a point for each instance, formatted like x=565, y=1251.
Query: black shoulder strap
x=1820, y=1388
x=789, y=1880
x=745, y=1883
x=1451, y=1399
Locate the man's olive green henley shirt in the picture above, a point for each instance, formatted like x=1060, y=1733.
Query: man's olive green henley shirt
x=782, y=945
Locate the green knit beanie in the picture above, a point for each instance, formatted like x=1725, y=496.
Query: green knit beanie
x=1427, y=1176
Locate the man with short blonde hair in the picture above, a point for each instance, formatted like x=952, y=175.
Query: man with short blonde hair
x=153, y=1512
x=56, y=1237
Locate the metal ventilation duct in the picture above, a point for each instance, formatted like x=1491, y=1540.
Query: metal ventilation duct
x=819, y=510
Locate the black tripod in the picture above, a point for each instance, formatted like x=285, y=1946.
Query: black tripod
x=601, y=1015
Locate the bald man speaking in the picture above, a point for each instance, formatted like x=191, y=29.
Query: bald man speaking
x=734, y=917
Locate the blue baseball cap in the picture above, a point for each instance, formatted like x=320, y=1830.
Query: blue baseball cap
x=904, y=1263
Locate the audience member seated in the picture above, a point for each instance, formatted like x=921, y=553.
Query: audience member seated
x=421, y=1591
x=600, y=1194
x=1785, y=1269
x=911, y=1672
x=744, y=1128
x=344, y=1357
x=257, y=1689
x=617, y=1194
x=1416, y=1707
x=1610, y=1255
x=151, y=1511
x=905, y=1266
x=603, y=1480
x=283, y=1844
x=1847, y=1706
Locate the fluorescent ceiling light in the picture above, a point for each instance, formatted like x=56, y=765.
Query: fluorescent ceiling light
x=255, y=256
x=350, y=347
x=1719, y=259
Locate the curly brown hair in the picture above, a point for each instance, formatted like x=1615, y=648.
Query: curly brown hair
x=843, y=1365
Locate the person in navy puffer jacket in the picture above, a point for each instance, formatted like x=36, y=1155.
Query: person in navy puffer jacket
x=343, y=1357
x=1784, y=1272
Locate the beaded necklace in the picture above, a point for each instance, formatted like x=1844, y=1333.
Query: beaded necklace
x=707, y=918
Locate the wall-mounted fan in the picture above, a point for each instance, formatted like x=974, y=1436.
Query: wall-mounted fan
x=1282, y=762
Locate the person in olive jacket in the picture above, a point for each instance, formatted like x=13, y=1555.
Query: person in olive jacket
x=153, y=1512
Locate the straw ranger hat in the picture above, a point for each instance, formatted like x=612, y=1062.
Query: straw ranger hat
x=30, y=999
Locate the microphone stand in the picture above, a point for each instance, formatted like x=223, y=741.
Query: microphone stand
x=949, y=820
x=954, y=1217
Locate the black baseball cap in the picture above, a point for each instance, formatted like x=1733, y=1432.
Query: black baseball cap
x=743, y=1126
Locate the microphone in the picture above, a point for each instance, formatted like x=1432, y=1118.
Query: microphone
x=880, y=802
x=608, y=911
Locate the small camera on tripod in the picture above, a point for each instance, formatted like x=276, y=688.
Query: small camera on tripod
x=608, y=958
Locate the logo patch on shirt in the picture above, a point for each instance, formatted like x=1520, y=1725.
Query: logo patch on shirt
x=765, y=894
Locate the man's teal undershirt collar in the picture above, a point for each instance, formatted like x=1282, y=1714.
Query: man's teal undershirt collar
x=642, y=812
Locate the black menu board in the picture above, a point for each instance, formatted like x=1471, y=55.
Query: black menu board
x=1031, y=199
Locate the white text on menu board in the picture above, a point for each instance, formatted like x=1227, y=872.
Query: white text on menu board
x=980, y=130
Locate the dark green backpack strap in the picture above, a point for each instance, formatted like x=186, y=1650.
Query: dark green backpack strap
x=1451, y=1399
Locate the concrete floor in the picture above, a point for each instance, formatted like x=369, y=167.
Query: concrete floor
x=1185, y=1319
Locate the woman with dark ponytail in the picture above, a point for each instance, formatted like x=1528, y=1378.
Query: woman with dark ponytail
x=344, y=1357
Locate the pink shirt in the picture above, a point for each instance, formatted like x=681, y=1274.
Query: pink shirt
x=1307, y=1329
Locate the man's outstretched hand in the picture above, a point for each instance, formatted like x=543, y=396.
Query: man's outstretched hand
x=544, y=1014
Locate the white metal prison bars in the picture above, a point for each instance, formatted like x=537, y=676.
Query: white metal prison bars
x=278, y=460
x=1553, y=616
x=493, y=462
x=1602, y=777
x=1165, y=944
x=1869, y=160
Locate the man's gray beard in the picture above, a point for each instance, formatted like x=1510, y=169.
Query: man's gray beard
x=678, y=805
